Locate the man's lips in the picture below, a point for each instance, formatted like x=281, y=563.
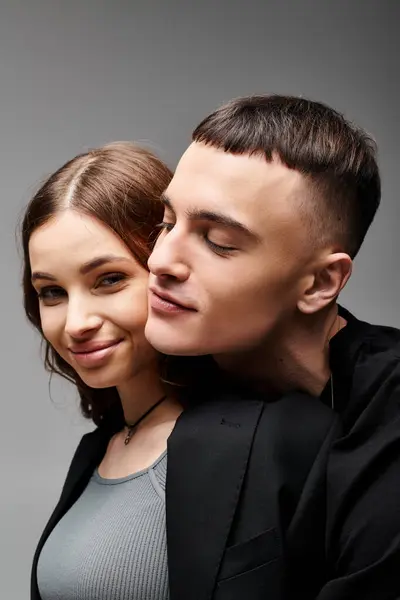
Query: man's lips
x=165, y=302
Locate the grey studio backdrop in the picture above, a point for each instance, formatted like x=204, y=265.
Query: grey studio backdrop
x=79, y=74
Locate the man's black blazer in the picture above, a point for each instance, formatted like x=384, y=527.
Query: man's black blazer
x=244, y=478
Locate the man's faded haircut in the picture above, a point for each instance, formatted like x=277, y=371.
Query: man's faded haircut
x=336, y=158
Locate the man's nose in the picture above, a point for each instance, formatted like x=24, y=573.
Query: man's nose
x=167, y=258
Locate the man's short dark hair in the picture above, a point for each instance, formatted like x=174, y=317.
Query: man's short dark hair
x=335, y=156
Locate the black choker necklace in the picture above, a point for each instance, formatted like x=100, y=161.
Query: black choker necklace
x=131, y=428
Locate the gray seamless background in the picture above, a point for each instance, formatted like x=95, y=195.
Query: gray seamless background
x=79, y=74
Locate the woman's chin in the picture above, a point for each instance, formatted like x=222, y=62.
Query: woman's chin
x=100, y=380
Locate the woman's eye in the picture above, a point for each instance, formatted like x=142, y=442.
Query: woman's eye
x=111, y=279
x=51, y=294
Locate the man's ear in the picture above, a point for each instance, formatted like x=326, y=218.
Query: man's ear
x=329, y=278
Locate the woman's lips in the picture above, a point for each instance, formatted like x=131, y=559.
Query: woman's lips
x=94, y=356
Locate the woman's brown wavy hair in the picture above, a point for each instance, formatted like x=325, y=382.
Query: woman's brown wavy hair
x=120, y=184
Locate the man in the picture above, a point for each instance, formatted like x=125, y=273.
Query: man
x=266, y=211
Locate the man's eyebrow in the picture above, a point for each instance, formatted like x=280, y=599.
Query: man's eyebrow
x=166, y=201
x=194, y=214
x=215, y=217
x=85, y=268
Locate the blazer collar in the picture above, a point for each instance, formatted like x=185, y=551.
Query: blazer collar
x=208, y=452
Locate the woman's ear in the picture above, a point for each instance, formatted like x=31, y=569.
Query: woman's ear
x=328, y=281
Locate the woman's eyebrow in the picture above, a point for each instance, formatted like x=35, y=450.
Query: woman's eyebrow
x=85, y=268
x=101, y=261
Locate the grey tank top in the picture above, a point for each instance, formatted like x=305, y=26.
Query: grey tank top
x=111, y=544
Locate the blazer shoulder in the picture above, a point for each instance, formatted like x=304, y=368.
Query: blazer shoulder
x=90, y=450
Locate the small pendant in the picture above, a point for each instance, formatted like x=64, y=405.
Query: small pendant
x=131, y=428
x=128, y=436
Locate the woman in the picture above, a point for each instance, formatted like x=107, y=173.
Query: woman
x=87, y=235
x=228, y=501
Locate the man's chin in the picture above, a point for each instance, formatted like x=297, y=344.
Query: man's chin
x=169, y=349
x=171, y=344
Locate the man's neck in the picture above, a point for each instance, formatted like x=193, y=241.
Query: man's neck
x=295, y=358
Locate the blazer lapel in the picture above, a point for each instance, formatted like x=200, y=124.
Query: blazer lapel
x=208, y=453
x=88, y=454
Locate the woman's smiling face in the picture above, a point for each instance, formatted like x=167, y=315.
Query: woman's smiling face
x=92, y=299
